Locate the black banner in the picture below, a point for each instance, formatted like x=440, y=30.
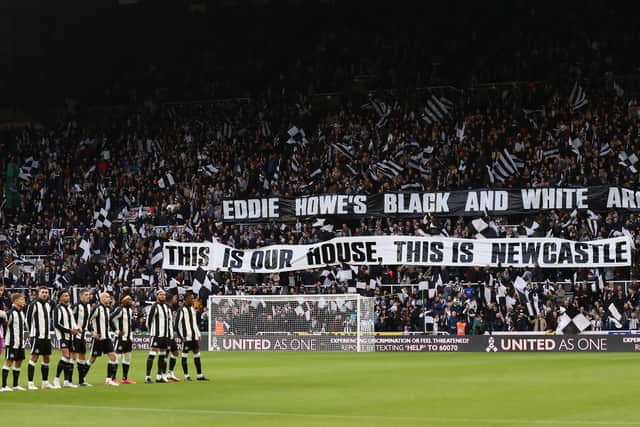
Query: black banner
x=429, y=343
x=444, y=203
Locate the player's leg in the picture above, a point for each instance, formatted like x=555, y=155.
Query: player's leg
x=152, y=355
x=173, y=358
x=62, y=364
x=118, y=350
x=79, y=355
x=8, y=363
x=126, y=362
x=67, y=365
x=31, y=369
x=45, y=351
x=185, y=365
x=94, y=352
x=112, y=363
x=125, y=348
x=197, y=362
x=83, y=368
x=162, y=364
x=19, y=357
x=112, y=370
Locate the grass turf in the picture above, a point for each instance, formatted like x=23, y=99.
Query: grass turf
x=350, y=389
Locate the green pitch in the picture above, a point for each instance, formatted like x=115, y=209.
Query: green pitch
x=350, y=389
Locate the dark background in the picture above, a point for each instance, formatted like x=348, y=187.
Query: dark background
x=106, y=52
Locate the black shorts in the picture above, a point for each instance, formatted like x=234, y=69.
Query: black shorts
x=160, y=342
x=65, y=344
x=188, y=346
x=100, y=347
x=122, y=346
x=173, y=345
x=78, y=345
x=16, y=354
x=41, y=347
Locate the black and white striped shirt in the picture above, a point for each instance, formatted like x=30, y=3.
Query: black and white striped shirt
x=38, y=318
x=99, y=321
x=121, y=319
x=82, y=312
x=63, y=321
x=159, y=321
x=187, y=324
x=16, y=327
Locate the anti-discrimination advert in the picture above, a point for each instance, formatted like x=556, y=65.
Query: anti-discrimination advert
x=442, y=203
x=401, y=250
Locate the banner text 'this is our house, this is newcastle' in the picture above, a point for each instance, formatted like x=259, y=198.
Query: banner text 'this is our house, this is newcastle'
x=401, y=250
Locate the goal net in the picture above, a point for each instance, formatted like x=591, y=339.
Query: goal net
x=291, y=323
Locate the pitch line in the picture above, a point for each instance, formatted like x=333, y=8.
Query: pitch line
x=443, y=420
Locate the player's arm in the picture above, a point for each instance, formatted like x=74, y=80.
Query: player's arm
x=196, y=324
x=30, y=310
x=150, y=316
x=178, y=323
x=25, y=324
x=92, y=319
x=172, y=325
x=115, y=317
x=76, y=314
x=74, y=325
x=9, y=324
x=57, y=320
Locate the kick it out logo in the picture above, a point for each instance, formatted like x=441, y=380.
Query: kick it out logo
x=492, y=346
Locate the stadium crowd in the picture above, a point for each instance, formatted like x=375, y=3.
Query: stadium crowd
x=80, y=167
x=92, y=193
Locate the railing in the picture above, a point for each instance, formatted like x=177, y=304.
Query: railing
x=624, y=283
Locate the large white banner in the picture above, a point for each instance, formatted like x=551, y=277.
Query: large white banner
x=401, y=250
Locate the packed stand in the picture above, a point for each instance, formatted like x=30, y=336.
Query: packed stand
x=93, y=194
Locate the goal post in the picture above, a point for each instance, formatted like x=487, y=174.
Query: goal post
x=336, y=322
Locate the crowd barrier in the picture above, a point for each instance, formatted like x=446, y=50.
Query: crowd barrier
x=436, y=344
x=593, y=342
x=499, y=343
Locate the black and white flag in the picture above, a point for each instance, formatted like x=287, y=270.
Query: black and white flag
x=147, y=280
x=592, y=223
x=628, y=162
x=550, y=154
x=88, y=173
x=605, y=150
x=85, y=248
x=504, y=167
x=156, y=256
x=62, y=281
x=227, y=130
x=345, y=150
x=437, y=109
x=102, y=218
x=166, y=181
x=200, y=279
x=264, y=129
x=577, y=97
x=615, y=316
x=25, y=172
x=211, y=170
x=123, y=273
x=153, y=146
x=388, y=168
x=297, y=136
x=295, y=164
